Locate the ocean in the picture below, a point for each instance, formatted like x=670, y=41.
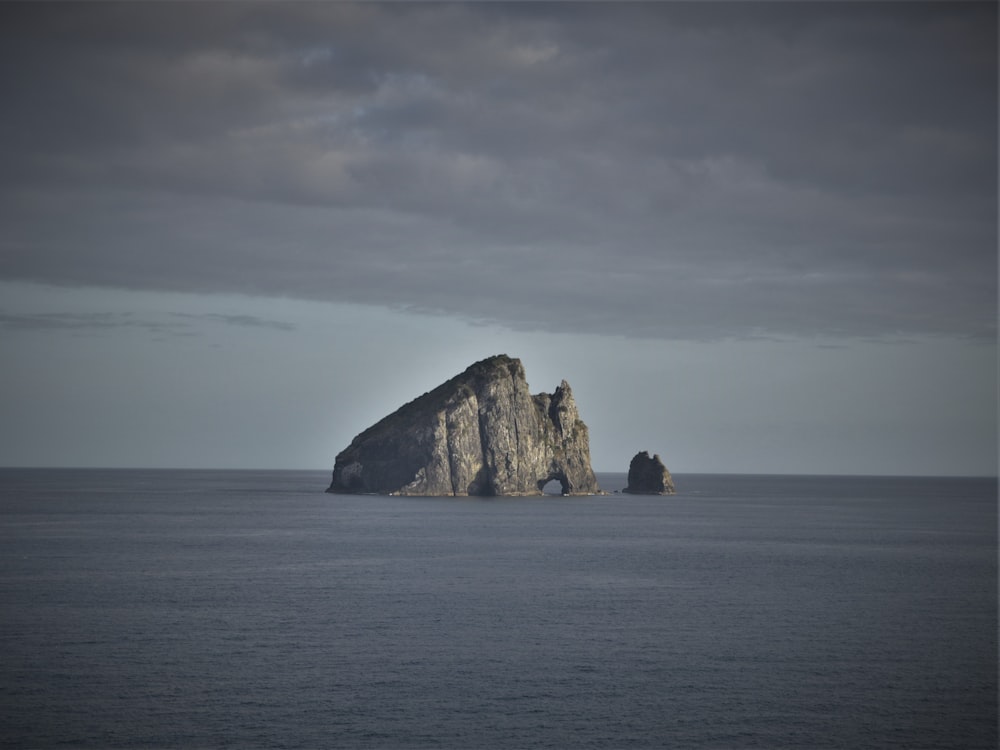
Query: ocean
x=217, y=609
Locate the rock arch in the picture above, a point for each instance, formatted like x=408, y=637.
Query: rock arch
x=554, y=476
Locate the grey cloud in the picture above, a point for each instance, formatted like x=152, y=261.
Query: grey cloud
x=669, y=170
x=83, y=322
x=181, y=324
x=244, y=321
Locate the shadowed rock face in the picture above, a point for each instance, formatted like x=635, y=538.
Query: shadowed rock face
x=480, y=433
x=648, y=476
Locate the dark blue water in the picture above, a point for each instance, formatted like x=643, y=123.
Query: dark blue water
x=249, y=609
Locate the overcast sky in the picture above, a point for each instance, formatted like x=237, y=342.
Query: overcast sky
x=752, y=236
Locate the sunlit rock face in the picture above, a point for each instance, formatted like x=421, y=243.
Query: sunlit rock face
x=648, y=476
x=480, y=433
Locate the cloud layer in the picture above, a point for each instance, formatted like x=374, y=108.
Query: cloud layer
x=177, y=323
x=653, y=170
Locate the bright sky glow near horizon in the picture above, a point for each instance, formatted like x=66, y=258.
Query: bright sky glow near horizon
x=754, y=237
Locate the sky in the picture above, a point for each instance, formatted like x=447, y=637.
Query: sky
x=754, y=237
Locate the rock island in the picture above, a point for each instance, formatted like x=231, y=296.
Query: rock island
x=648, y=476
x=480, y=433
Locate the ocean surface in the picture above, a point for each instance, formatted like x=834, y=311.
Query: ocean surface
x=203, y=609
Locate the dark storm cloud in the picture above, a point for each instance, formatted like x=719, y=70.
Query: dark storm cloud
x=676, y=170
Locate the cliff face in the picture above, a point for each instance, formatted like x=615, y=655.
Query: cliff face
x=480, y=433
x=648, y=476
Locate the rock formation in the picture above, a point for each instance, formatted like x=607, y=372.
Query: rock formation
x=648, y=476
x=480, y=433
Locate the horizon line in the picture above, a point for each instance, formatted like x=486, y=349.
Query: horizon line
x=39, y=467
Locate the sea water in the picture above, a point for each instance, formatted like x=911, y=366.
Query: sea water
x=189, y=609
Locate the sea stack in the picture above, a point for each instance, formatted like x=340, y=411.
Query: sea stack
x=648, y=476
x=480, y=433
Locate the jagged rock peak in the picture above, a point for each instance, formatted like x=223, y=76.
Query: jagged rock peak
x=479, y=433
x=648, y=476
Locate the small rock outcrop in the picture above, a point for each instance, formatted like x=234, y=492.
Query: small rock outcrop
x=648, y=476
x=480, y=433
